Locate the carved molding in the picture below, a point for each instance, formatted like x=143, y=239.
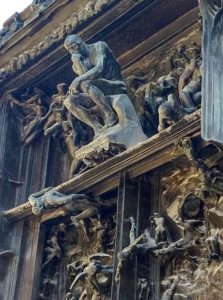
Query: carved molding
x=139, y=159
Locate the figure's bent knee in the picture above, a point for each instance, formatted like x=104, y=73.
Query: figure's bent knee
x=161, y=109
x=71, y=102
x=85, y=85
x=187, y=90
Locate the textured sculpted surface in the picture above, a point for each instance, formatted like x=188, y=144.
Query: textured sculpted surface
x=187, y=241
x=146, y=224
x=91, y=10
x=78, y=255
x=171, y=96
x=97, y=97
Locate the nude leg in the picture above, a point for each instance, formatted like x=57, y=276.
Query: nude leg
x=88, y=213
x=186, y=95
x=53, y=198
x=81, y=113
x=52, y=128
x=100, y=100
x=83, y=295
x=36, y=134
x=186, y=99
x=162, y=119
x=29, y=130
x=75, y=167
x=49, y=258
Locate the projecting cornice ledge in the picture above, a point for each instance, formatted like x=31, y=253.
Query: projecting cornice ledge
x=137, y=160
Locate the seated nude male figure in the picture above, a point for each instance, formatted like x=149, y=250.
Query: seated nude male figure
x=99, y=75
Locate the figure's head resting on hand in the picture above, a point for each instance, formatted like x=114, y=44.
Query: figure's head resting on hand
x=75, y=45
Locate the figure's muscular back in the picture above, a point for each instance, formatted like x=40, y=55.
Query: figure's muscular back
x=110, y=68
x=100, y=57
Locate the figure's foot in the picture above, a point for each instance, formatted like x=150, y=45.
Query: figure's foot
x=110, y=120
x=161, y=127
x=75, y=221
x=101, y=131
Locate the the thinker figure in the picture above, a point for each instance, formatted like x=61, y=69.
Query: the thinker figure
x=98, y=76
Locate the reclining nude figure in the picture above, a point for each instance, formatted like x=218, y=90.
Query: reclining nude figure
x=49, y=198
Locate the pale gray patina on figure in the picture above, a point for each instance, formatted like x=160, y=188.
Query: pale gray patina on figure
x=79, y=206
x=99, y=74
x=49, y=198
x=98, y=96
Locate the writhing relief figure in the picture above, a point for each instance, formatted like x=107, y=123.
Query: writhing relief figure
x=155, y=95
x=90, y=273
x=128, y=252
x=79, y=206
x=170, y=286
x=65, y=128
x=160, y=230
x=53, y=248
x=162, y=104
x=142, y=244
x=34, y=108
x=57, y=109
x=193, y=237
x=170, y=110
x=190, y=80
x=143, y=287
